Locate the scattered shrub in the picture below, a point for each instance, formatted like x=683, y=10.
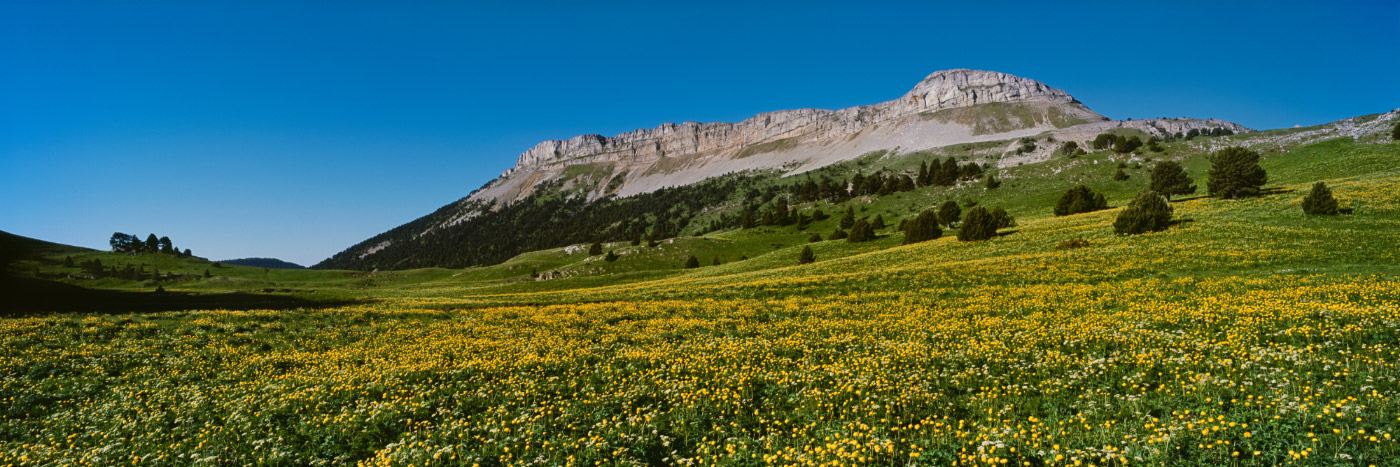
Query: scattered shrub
x=923, y=228
x=1080, y=199
x=978, y=224
x=1148, y=212
x=1320, y=201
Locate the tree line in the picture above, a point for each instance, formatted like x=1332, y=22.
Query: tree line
x=124, y=243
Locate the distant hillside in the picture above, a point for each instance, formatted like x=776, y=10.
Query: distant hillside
x=269, y=263
x=648, y=183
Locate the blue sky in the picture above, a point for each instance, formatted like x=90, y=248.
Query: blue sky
x=295, y=129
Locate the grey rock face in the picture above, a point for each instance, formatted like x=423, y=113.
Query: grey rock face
x=940, y=90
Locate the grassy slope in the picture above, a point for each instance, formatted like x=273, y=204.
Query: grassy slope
x=1249, y=328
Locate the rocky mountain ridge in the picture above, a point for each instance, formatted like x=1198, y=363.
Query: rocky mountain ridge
x=687, y=152
x=946, y=108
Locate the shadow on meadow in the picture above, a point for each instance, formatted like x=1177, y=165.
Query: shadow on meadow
x=28, y=296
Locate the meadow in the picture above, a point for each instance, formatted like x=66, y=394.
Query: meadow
x=1246, y=334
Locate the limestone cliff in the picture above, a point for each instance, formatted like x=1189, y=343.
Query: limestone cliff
x=681, y=153
x=946, y=108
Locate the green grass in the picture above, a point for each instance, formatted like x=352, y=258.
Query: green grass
x=1246, y=334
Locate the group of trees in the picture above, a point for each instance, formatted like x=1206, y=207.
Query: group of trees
x=134, y=272
x=947, y=172
x=123, y=243
x=1118, y=143
x=938, y=172
x=1234, y=173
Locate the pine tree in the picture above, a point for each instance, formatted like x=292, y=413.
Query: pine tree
x=1168, y=178
x=923, y=228
x=878, y=223
x=1003, y=220
x=1103, y=141
x=949, y=213
x=1080, y=199
x=692, y=262
x=978, y=224
x=861, y=232
x=746, y=220
x=1120, y=175
x=806, y=257
x=780, y=213
x=595, y=249
x=1235, y=173
x=1320, y=201
x=923, y=174
x=715, y=262
x=610, y=257
x=67, y=261
x=1395, y=133
x=948, y=175
x=849, y=219
x=992, y=182
x=207, y=274
x=166, y=246
x=816, y=237
x=188, y=253
x=1148, y=212
x=152, y=244
x=837, y=234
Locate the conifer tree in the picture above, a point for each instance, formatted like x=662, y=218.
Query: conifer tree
x=1120, y=175
x=1168, y=178
x=1003, y=220
x=595, y=249
x=67, y=261
x=923, y=228
x=716, y=261
x=949, y=213
x=861, y=232
x=814, y=238
x=1080, y=199
x=1148, y=212
x=992, y=182
x=610, y=257
x=878, y=223
x=1320, y=201
x=849, y=219
x=948, y=175
x=1395, y=133
x=977, y=224
x=746, y=220
x=780, y=212
x=692, y=262
x=806, y=257
x=152, y=244
x=837, y=234
x=1235, y=173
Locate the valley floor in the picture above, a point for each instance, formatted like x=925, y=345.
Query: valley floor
x=1245, y=334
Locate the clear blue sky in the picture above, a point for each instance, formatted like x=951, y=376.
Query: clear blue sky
x=295, y=129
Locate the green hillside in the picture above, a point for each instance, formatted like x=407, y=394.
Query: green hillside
x=1246, y=333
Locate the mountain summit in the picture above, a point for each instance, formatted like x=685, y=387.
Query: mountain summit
x=682, y=153
x=946, y=108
